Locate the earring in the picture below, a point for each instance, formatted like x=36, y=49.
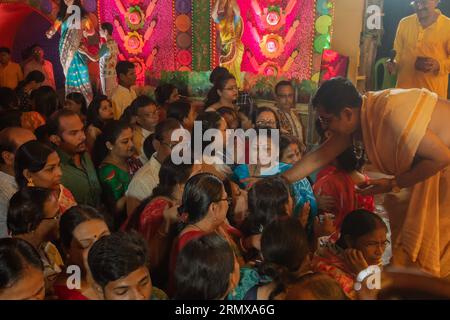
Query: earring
x=30, y=183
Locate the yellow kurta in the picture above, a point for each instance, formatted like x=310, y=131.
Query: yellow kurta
x=414, y=41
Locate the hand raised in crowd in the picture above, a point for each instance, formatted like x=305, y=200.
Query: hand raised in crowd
x=324, y=228
x=304, y=215
x=355, y=259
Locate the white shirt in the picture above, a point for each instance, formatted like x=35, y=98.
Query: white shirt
x=121, y=99
x=8, y=187
x=145, y=180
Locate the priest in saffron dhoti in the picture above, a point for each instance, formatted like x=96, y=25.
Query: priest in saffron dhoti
x=406, y=135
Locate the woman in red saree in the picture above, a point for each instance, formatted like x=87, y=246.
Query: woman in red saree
x=156, y=217
x=340, y=183
x=204, y=206
x=361, y=244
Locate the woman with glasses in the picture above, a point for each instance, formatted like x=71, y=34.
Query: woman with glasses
x=362, y=244
x=224, y=93
x=33, y=215
x=203, y=209
x=38, y=165
x=266, y=118
x=113, y=156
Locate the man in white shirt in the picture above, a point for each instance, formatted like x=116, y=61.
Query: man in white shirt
x=37, y=62
x=124, y=94
x=10, y=140
x=146, y=112
x=147, y=177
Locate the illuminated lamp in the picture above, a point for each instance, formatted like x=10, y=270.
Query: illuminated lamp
x=133, y=42
x=272, y=45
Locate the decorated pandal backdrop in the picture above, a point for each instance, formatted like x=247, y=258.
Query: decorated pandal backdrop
x=259, y=41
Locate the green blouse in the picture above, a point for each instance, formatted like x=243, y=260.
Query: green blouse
x=114, y=180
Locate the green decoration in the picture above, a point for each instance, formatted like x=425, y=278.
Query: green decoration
x=323, y=24
x=201, y=34
x=135, y=18
x=321, y=43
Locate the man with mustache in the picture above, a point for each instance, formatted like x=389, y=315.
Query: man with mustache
x=422, y=48
x=66, y=132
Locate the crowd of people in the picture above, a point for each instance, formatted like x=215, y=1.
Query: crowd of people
x=95, y=187
x=90, y=185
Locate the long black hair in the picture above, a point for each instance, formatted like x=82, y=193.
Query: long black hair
x=110, y=133
x=35, y=76
x=33, y=156
x=78, y=98
x=26, y=209
x=285, y=247
x=46, y=101
x=203, y=269
x=163, y=93
x=170, y=175
x=16, y=256
x=267, y=200
x=93, y=116
x=199, y=192
x=357, y=224
x=220, y=83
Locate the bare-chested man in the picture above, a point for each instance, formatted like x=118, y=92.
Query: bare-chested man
x=405, y=134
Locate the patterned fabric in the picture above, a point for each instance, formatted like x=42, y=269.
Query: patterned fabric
x=25, y=103
x=8, y=187
x=328, y=259
x=232, y=46
x=73, y=62
x=249, y=278
x=66, y=199
x=291, y=124
x=114, y=180
x=108, y=58
x=53, y=265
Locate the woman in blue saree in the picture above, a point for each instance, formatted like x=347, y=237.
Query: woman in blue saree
x=289, y=153
x=74, y=26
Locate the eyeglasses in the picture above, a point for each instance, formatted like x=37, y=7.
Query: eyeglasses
x=231, y=89
x=285, y=96
x=266, y=123
x=56, y=217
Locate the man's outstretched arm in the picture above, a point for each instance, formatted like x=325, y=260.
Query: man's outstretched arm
x=434, y=156
x=315, y=160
